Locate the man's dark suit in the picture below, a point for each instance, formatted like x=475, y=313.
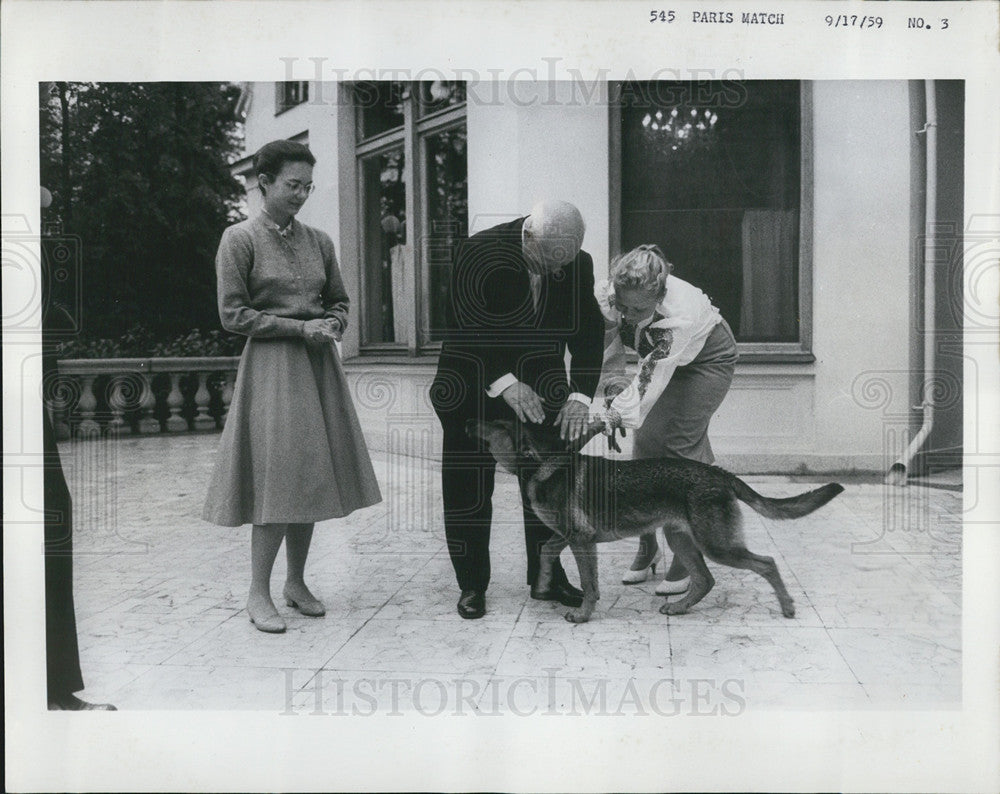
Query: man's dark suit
x=493, y=329
x=62, y=649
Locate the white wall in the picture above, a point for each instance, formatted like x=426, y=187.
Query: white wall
x=862, y=262
x=543, y=140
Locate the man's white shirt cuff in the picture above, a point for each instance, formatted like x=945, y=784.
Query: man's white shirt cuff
x=501, y=384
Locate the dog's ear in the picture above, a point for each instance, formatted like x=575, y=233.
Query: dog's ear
x=499, y=437
x=540, y=441
x=529, y=441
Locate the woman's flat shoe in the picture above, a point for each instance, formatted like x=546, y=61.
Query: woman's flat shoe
x=311, y=608
x=637, y=577
x=272, y=624
x=666, y=587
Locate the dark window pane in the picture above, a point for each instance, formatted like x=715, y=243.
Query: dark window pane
x=447, y=202
x=711, y=173
x=380, y=106
x=384, y=218
x=437, y=94
x=291, y=93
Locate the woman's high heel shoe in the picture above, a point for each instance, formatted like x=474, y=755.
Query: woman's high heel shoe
x=666, y=587
x=636, y=577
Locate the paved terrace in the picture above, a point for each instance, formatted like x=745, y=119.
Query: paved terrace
x=876, y=576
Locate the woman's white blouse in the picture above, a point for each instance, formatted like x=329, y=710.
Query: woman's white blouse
x=688, y=317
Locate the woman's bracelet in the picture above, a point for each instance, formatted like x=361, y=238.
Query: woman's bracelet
x=612, y=420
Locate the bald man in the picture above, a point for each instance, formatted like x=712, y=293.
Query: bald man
x=522, y=295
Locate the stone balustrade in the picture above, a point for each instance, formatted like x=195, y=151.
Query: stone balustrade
x=94, y=397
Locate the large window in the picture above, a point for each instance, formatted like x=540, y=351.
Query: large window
x=713, y=173
x=409, y=157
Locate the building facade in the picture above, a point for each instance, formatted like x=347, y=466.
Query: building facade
x=799, y=207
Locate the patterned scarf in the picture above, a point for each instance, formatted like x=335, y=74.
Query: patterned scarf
x=653, y=344
x=659, y=344
x=647, y=337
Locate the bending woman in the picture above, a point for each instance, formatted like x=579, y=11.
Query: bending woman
x=687, y=357
x=292, y=452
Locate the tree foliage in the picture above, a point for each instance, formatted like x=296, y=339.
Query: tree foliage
x=139, y=173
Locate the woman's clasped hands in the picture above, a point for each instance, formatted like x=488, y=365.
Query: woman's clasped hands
x=322, y=331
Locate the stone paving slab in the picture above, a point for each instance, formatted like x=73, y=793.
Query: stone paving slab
x=876, y=577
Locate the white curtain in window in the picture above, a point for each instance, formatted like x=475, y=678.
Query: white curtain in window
x=400, y=260
x=768, y=306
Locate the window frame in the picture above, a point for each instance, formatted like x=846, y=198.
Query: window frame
x=799, y=352
x=353, y=150
x=281, y=103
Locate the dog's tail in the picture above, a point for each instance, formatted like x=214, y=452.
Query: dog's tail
x=792, y=507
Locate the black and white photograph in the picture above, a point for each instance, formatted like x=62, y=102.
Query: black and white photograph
x=506, y=384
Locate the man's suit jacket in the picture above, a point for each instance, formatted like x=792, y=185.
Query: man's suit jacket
x=493, y=328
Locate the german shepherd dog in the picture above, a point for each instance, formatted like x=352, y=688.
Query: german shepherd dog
x=586, y=500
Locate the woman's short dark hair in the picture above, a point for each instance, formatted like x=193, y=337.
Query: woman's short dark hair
x=272, y=156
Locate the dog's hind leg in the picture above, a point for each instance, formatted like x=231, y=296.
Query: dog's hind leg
x=586, y=560
x=763, y=566
x=682, y=544
x=718, y=528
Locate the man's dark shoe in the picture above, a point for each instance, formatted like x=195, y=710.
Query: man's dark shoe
x=71, y=702
x=472, y=604
x=563, y=592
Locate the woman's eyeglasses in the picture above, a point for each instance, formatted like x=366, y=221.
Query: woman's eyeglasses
x=300, y=187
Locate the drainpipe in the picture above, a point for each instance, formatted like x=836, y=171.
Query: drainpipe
x=898, y=471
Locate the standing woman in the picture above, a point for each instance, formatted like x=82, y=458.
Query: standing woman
x=292, y=452
x=687, y=357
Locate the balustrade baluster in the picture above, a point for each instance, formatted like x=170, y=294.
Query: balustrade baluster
x=202, y=421
x=175, y=402
x=118, y=397
x=148, y=423
x=87, y=406
x=61, y=393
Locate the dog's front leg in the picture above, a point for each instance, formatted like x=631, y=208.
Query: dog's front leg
x=551, y=550
x=585, y=553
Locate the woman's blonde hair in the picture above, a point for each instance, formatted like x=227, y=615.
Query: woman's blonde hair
x=644, y=267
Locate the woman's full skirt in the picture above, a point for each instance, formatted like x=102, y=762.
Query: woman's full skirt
x=292, y=450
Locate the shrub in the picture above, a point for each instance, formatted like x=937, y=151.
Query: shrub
x=140, y=342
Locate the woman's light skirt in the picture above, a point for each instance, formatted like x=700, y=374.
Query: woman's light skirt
x=292, y=450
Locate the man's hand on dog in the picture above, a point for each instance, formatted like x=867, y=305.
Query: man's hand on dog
x=572, y=420
x=525, y=402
